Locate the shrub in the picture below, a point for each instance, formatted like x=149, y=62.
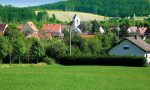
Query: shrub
x=103, y=60
x=48, y=60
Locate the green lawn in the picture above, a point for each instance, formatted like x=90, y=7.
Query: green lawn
x=57, y=77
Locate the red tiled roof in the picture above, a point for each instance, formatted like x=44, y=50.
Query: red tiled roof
x=20, y=27
x=2, y=27
x=133, y=28
x=142, y=30
x=52, y=27
x=87, y=36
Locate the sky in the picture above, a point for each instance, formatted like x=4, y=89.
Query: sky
x=24, y=3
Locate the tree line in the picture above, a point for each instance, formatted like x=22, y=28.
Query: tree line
x=113, y=8
x=15, y=48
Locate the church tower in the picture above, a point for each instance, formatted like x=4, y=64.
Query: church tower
x=76, y=21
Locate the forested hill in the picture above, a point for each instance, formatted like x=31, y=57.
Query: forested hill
x=115, y=8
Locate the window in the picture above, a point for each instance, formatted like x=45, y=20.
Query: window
x=126, y=47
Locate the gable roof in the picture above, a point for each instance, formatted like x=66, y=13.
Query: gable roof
x=142, y=30
x=133, y=28
x=138, y=42
x=3, y=27
x=147, y=32
x=32, y=26
x=75, y=16
x=52, y=27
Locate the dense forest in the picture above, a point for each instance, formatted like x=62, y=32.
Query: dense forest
x=12, y=14
x=114, y=8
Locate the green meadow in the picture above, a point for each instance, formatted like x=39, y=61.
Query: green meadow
x=58, y=77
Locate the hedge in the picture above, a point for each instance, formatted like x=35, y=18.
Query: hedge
x=103, y=60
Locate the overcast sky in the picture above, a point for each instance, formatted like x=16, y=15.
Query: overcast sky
x=23, y=3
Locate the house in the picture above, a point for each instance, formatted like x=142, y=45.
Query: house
x=87, y=36
x=101, y=30
x=141, y=30
x=53, y=30
x=29, y=29
x=34, y=35
x=114, y=28
x=132, y=29
x=147, y=32
x=131, y=46
x=3, y=28
x=137, y=30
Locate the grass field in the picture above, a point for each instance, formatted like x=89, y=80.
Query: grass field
x=67, y=16
x=57, y=77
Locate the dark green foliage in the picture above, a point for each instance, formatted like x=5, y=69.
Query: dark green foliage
x=19, y=48
x=42, y=16
x=103, y=60
x=48, y=60
x=4, y=48
x=56, y=49
x=36, y=51
x=95, y=26
x=13, y=14
x=12, y=33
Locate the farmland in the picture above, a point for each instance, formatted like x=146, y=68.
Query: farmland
x=57, y=77
x=67, y=16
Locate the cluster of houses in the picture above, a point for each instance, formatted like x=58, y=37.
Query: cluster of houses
x=55, y=30
x=47, y=31
x=130, y=46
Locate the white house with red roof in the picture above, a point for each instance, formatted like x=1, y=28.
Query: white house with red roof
x=53, y=30
x=3, y=28
x=29, y=29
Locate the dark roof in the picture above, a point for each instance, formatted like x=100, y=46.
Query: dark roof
x=2, y=27
x=140, y=43
x=74, y=16
x=147, y=32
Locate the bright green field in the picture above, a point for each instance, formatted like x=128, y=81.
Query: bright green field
x=57, y=77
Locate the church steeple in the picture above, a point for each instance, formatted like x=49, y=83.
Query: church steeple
x=76, y=21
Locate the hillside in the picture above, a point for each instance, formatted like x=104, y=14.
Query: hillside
x=111, y=8
x=67, y=16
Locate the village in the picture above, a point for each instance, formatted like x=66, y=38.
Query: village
x=132, y=45
x=74, y=44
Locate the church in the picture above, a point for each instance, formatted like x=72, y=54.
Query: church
x=76, y=23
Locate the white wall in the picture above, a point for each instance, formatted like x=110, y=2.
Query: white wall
x=133, y=51
x=27, y=27
x=76, y=22
x=148, y=56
